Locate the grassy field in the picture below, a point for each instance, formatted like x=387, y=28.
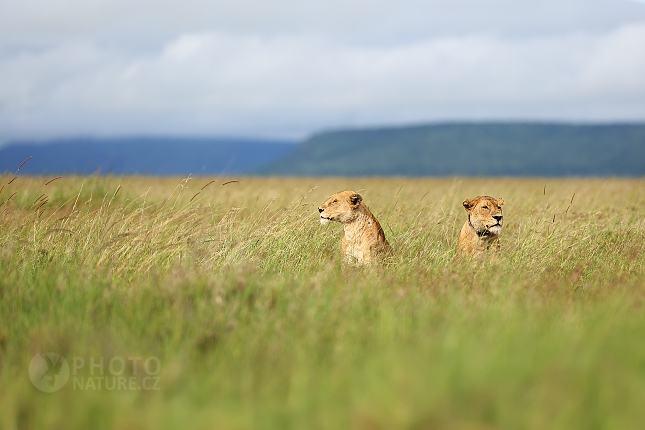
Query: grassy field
x=238, y=294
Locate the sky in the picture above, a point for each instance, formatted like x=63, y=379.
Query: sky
x=289, y=68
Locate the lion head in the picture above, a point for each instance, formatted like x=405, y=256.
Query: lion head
x=341, y=207
x=485, y=215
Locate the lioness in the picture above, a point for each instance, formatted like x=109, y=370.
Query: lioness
x=481, y=230
x=363, y=238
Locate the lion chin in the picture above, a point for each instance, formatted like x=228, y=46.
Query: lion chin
x=495, y=229
x=324, y=221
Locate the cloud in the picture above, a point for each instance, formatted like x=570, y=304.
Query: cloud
x=146, y=23
x=295, y=81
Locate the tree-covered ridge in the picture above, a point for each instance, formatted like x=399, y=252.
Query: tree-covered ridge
x=494, y=149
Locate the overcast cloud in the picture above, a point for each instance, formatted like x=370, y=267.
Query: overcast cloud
x=288, y=68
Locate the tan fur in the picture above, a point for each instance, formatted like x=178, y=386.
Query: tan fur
x=363, y=239
x=480, y=232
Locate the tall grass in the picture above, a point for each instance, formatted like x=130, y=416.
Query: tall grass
x=240, y=293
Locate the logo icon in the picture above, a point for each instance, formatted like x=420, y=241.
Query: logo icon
x=48, y=372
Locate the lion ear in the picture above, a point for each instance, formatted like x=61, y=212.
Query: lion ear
x=355, y=199
x=500, y=201
x=468, y=205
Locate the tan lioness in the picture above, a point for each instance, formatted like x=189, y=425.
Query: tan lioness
x=363, y=239
x=480, y=232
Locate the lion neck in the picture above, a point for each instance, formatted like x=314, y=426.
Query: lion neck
x=358, y=223
x=470, y=240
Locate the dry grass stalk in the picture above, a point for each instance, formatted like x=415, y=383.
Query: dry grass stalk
x=202, y=189
x=41, y=205
x=52, y=180
x=38, y=199
x=23, y=163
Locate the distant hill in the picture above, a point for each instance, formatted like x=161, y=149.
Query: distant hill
x=154, y=156
x=487, y=149
x=470, y=150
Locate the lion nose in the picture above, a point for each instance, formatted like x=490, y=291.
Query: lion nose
x=320, y=210
x=498, y=218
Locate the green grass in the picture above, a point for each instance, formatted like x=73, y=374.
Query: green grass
x=241, y=296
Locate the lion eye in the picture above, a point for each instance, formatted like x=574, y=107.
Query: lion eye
x=485, y=207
